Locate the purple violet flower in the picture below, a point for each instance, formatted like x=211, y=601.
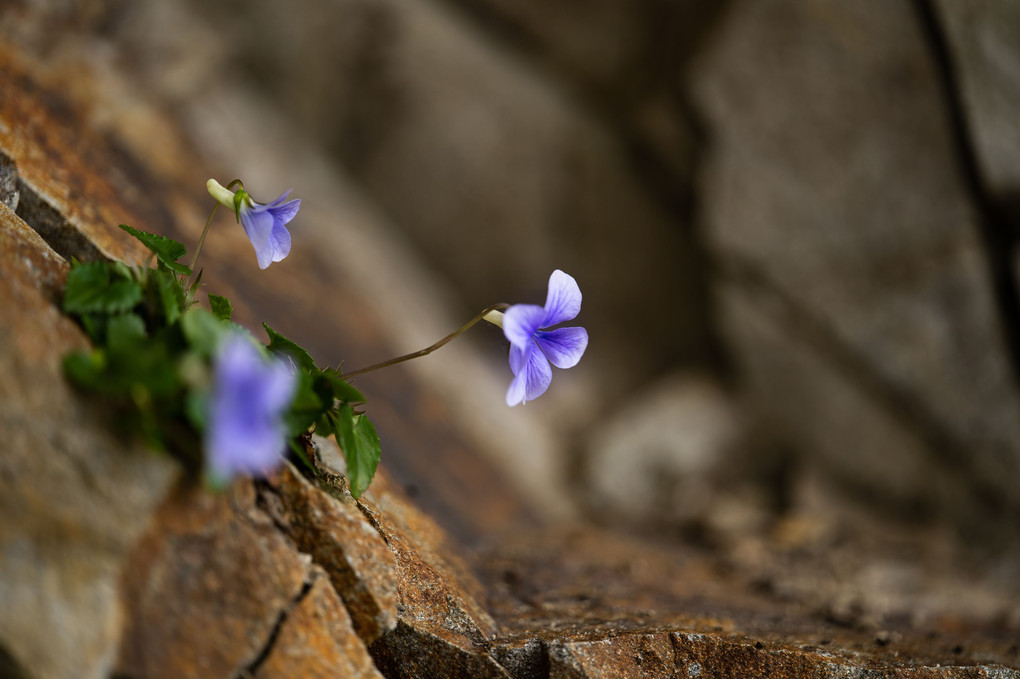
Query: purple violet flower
x=245, y=433
x=264, y=224
x=533, y=346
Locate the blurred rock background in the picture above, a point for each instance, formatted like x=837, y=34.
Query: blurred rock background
x=794, y=222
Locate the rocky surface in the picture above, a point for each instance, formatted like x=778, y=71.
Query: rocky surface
x=869, y=394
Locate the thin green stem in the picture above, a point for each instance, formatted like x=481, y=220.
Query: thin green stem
x=427, y=350
x=205, y=231
x=201, y=240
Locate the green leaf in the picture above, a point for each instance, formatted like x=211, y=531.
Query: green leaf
x=305, y=408
x=195, y=284
x=220, y=307
x=171, y=295
x=124, y=333
x=342, y=389
x=360, y=445
x=86, y=370
x=278, y=344
x=91, y=290
x=196, y=408
x=167, y=250
x=202, y=330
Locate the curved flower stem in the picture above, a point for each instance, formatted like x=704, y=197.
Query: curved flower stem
x=201, y=240
x=428, y=350
x=205, y=231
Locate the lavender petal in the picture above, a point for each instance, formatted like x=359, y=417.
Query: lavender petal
x=563, y=302
x=563, y=346
x=521, y=322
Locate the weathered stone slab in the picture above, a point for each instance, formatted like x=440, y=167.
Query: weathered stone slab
x=332, y=530
x=73, y=182
x=443, y=627
x=317, y=640
x=207, y=585
x=73, y=497
x=583, y=603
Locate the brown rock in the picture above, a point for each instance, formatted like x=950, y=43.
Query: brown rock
x=655, y=655
x=443, y=628
x=583, y=603
x=330, y=527
x=73, y=182
x=317, y=639
x=207, y=586
x=73, y=497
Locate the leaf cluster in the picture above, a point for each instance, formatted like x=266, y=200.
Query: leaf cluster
x=152, y=356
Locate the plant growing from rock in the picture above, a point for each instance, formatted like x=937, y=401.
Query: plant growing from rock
x=202, y=387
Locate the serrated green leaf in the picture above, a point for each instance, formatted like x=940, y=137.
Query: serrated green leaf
x=167, y=250
x=360, y=444
x=343, y=391
x=278, y=344
x=220, y=306
x=171, y=295
x=91, y=289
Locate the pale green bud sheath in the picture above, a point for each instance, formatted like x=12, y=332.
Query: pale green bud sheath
x=495, y=317
x=221, y=194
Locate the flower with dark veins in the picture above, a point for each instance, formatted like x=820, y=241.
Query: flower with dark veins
x=245, y=433
x=533, y=345
x=264, y=224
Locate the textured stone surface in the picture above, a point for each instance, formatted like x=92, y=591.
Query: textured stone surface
x=443, y=627
x=317, y=640
x=330, y=527
x=73, y=183
x=578, y=602
x=207, y=586
x=74, y=496
x=831, y=187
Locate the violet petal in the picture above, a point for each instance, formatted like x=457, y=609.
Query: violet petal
x=563, y=346
x=563, y=301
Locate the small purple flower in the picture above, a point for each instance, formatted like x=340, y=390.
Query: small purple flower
x=264, y=224
x=245, y=433
x=533, y=347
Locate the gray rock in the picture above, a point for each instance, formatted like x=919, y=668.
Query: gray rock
x=654, y=459
x=832, y=190
x=985, y=52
